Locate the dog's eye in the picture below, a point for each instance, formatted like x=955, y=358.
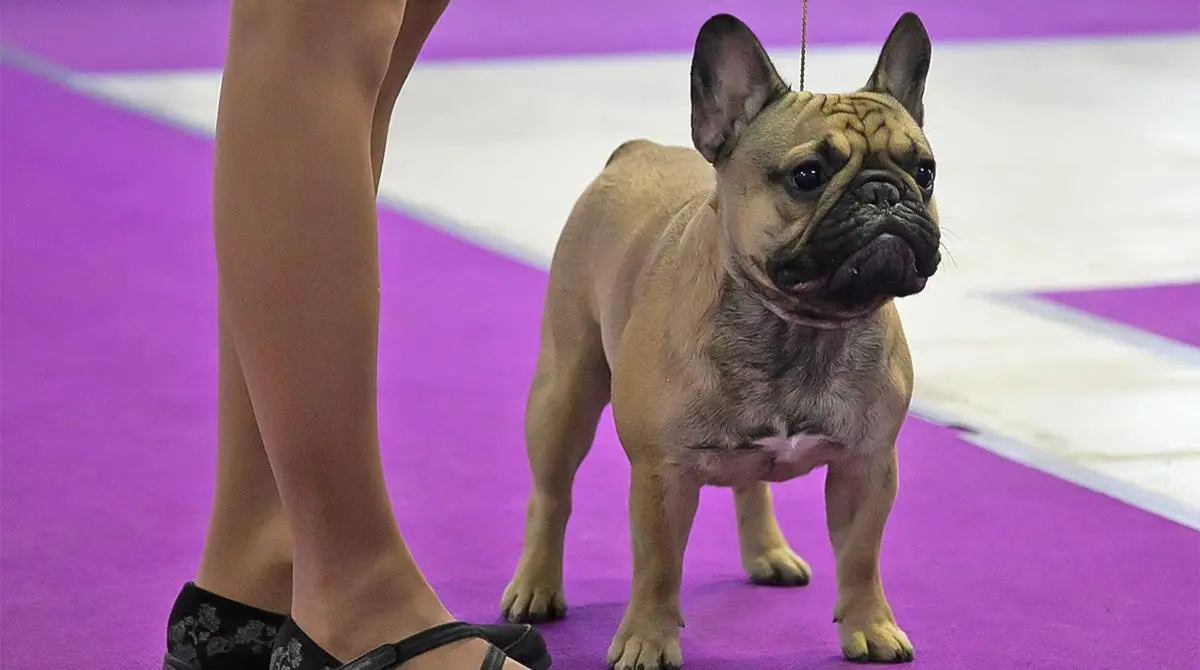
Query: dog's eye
x=807, y=176
x=925, y=174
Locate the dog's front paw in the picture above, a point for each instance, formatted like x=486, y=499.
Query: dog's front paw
x=875, y=642
x=533, y=598
x=779, y=566
x=646, y=643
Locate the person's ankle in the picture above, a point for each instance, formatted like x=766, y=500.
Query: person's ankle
x=254, y=568
x=265, y=586
x=386, y=600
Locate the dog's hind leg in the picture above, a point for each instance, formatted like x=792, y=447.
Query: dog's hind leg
x=766, y=556
x=570, y=389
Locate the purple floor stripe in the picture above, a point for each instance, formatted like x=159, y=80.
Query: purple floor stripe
x=1168, y=310
x=107, y=406
x=113, y=35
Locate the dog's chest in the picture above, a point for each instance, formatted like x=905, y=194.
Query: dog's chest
x=789, y=448
x=777, y=457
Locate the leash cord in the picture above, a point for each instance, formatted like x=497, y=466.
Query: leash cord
x=803, y=41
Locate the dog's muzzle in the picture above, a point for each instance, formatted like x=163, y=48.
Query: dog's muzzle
x=875, y=244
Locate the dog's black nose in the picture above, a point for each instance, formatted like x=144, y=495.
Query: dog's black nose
x=879, y=193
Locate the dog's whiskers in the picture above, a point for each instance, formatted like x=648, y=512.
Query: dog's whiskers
x=946, y=248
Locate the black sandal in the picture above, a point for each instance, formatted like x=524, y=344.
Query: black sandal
x=209, y=632
x=206, y=631
x=294, y=650
x=392, y=655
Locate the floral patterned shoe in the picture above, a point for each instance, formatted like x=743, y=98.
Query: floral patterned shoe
x=296, y=651
x=208, y=632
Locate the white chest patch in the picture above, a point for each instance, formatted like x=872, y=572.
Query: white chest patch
x=790, y=447
x=771, y=459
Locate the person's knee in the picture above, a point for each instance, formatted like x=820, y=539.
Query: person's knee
x=343, y=39
x=432, y=7
x=420, y=17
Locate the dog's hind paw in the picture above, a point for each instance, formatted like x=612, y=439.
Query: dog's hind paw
x=778, y=567
x=529, y=600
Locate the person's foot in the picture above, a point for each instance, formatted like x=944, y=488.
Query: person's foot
x=372, y=600
x=206, y=631
x=450, y=646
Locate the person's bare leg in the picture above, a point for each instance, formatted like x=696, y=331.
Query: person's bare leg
x=420, y=16
x=298, y=264
x=247, y=552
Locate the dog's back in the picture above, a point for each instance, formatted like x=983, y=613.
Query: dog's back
x=638, y=204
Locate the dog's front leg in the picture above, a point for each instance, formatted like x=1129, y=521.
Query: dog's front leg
x=662, y=505
x=859, y=491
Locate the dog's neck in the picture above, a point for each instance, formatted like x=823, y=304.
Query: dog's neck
x=758, y=342
x=744, y=334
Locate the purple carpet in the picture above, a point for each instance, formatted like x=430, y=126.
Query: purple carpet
x=108, y=354
x=1168, y=310
x=106, y=35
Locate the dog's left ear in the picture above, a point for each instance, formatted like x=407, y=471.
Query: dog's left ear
x=903, y=65
x=733, y=80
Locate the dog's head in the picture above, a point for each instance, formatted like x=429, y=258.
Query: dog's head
x=826, y=201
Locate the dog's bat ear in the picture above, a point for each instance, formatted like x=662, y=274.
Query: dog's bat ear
x=733, y=79
x=903, y=65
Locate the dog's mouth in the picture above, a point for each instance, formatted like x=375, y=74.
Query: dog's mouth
x=885, y=267
x=888, y=265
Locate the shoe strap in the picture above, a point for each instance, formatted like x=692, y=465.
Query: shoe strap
x=391, y=655
x=494, y=659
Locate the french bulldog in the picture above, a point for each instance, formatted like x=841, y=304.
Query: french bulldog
x=735, y=303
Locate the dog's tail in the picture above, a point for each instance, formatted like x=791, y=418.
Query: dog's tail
x=625, y=148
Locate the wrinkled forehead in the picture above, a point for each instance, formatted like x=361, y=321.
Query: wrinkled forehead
x=840, y=125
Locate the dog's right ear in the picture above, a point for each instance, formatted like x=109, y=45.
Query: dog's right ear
x=733, y=80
